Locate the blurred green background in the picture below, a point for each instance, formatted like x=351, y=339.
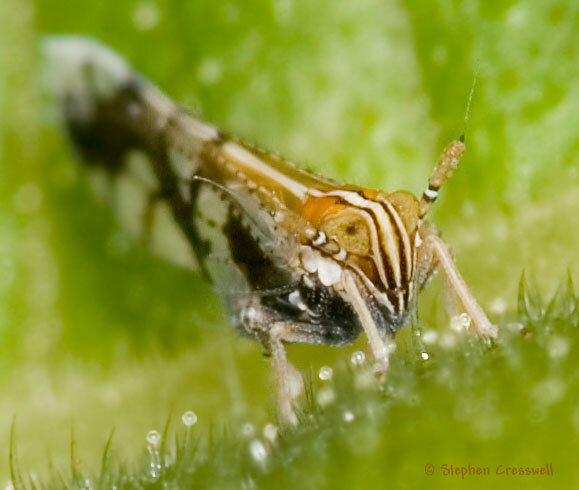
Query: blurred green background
x=95, y=333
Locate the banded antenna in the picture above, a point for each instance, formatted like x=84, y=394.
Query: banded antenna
x=447, y=162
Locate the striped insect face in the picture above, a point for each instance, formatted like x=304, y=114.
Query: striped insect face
x=371, y=234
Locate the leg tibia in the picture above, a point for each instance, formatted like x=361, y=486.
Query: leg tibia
x=434, y=248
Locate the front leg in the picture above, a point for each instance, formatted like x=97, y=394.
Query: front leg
x=435, y=250
x=379, y=348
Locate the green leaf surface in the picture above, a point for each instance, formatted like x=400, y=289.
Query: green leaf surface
x=96, y=334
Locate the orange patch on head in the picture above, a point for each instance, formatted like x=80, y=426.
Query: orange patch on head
x=316, y=209
x=371, y=194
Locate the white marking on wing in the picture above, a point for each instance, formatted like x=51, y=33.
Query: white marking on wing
x=197, y=129
x=183, y=167
x=248, y=160
x=68, y=70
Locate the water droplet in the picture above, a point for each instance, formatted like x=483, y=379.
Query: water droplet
x=248, y=484
x=258, y=451
x=460, y=322
x=282, y=10
x=465, y=319
x=549, y=391
x=515, y=327
x=364, y=379
x=381, y=352
x=189, y=418
x=153, y=438
x=270, y=432
x=247, y=429
x=558, y=348
x=430, y=337
x=358, y=358
x=447, y=340
x=517, y=16
x=210, y=71
x=326, y=373
x=153, y=442
x=146, y=16
x=325, y=397
x=424, y=355
x=498, y=306
x=348, y=416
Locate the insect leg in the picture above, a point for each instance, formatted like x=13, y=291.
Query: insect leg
x=274, y=334
x=377, y=345
x=433, y=245
x=257, y=321
x=289, y=380
x=452, y=303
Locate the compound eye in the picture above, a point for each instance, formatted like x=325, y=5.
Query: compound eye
x=350, y=231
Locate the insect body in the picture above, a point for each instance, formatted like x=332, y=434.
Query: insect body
x=316, y=262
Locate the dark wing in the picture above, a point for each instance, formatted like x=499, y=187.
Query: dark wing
x=133, y=138
x=147, y=154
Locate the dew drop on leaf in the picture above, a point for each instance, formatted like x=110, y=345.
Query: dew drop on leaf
x=153, y=437
x=189, y=418
x=348, y=416
x=326, y=373
x=270, y=432
x=358, y=358
x=258, y=451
